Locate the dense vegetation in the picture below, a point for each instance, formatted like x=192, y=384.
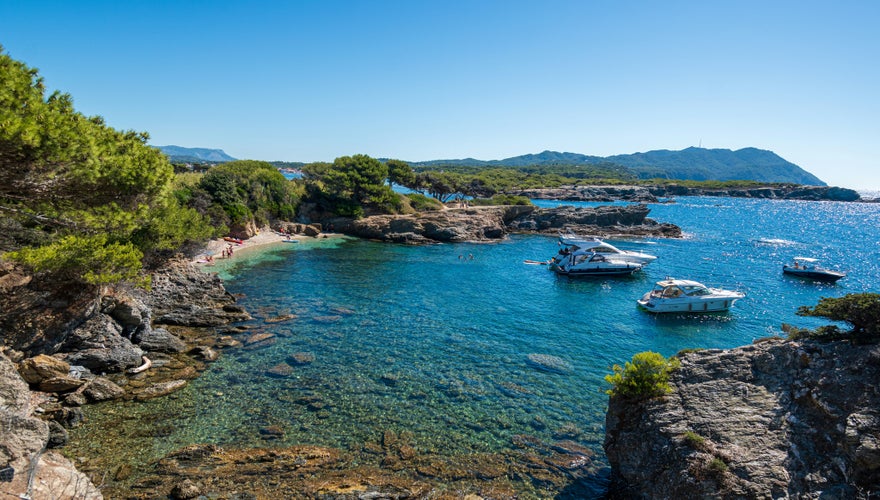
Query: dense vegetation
x=239, y=193
x=77, y=197
x=860, y=310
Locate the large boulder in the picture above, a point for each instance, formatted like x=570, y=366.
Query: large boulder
x=770, y=420
x=182, y=295
x=42, y=367
x=160, y=340
x=23, y=443
x=98, y=345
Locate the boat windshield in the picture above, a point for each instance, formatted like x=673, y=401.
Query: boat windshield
x=669, y=291
x=696, y=290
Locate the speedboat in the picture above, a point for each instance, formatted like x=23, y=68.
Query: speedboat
x=571, y=243
x=582, y=263
x=806, y=267
x=672, y=295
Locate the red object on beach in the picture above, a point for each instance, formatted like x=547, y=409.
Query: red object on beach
x=234, y=240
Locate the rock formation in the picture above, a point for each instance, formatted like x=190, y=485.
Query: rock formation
x=64, y=335
x=775, y=419
x=496, y=222
x=27, y=466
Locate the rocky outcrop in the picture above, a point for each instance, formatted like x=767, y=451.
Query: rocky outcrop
x=454, y=225
x=35, y=471
x=64, y=334
x=494, y=223
x=603, y=221
x=639, y=194
x=650, y=194
x=774, y=419
x=182, y=295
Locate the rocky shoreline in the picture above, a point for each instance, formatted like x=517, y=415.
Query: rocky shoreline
x=775, y=419
x=652, y=194
x=76, y=346
x=482, y=224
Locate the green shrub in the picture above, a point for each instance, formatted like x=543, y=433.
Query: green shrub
x=694, y=440
x=646, y=376
x=422, y=203
x=501, y=199
x=717, y=466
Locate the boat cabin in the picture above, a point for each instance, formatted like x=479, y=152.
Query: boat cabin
x=670, y=289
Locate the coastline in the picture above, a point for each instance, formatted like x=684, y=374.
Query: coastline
x=265, y=236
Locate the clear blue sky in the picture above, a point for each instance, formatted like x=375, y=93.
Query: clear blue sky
x=421, y=80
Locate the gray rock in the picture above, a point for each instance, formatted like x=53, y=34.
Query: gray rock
x=183, y=295
x=98, y=345
x=23, y=443
x=102, y=389
x=773, y=419
x=57, y=435
x=160, y=340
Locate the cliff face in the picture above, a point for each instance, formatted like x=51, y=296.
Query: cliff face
x=493, y=223
x=770, y=420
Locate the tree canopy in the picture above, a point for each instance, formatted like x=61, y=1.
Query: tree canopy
x=860, y=310
x=353, y=184
x=68, y=181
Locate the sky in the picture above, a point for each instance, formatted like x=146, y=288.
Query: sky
x=313, y=80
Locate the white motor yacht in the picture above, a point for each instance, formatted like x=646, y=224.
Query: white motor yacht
x=583, y=263
x=672, y=295
x=571, y=243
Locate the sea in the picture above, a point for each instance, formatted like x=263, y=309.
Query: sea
x=441, y=341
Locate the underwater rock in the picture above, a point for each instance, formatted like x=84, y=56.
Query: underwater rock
x=258, y=340
x=301, y=358
x=160, y=389
x=548, y=363
x=280, y=370
x=280, y=318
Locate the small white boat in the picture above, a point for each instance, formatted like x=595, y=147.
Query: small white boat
x=671, y=295
x=571, y=243
x=581, y=263
x=806, y=267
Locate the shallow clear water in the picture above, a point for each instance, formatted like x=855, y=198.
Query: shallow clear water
x=436, y=340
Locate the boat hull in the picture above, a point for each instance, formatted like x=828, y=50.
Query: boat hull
x=597, y=272
x=678, y=306
x=812, y=274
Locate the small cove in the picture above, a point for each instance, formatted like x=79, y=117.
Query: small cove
x=439, y=342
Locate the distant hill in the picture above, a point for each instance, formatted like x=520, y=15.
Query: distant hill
x=688, y=164
x=178, y=154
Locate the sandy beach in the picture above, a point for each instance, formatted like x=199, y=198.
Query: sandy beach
x=266, y=236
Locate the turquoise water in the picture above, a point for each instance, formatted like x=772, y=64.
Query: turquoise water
x=435, y=340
